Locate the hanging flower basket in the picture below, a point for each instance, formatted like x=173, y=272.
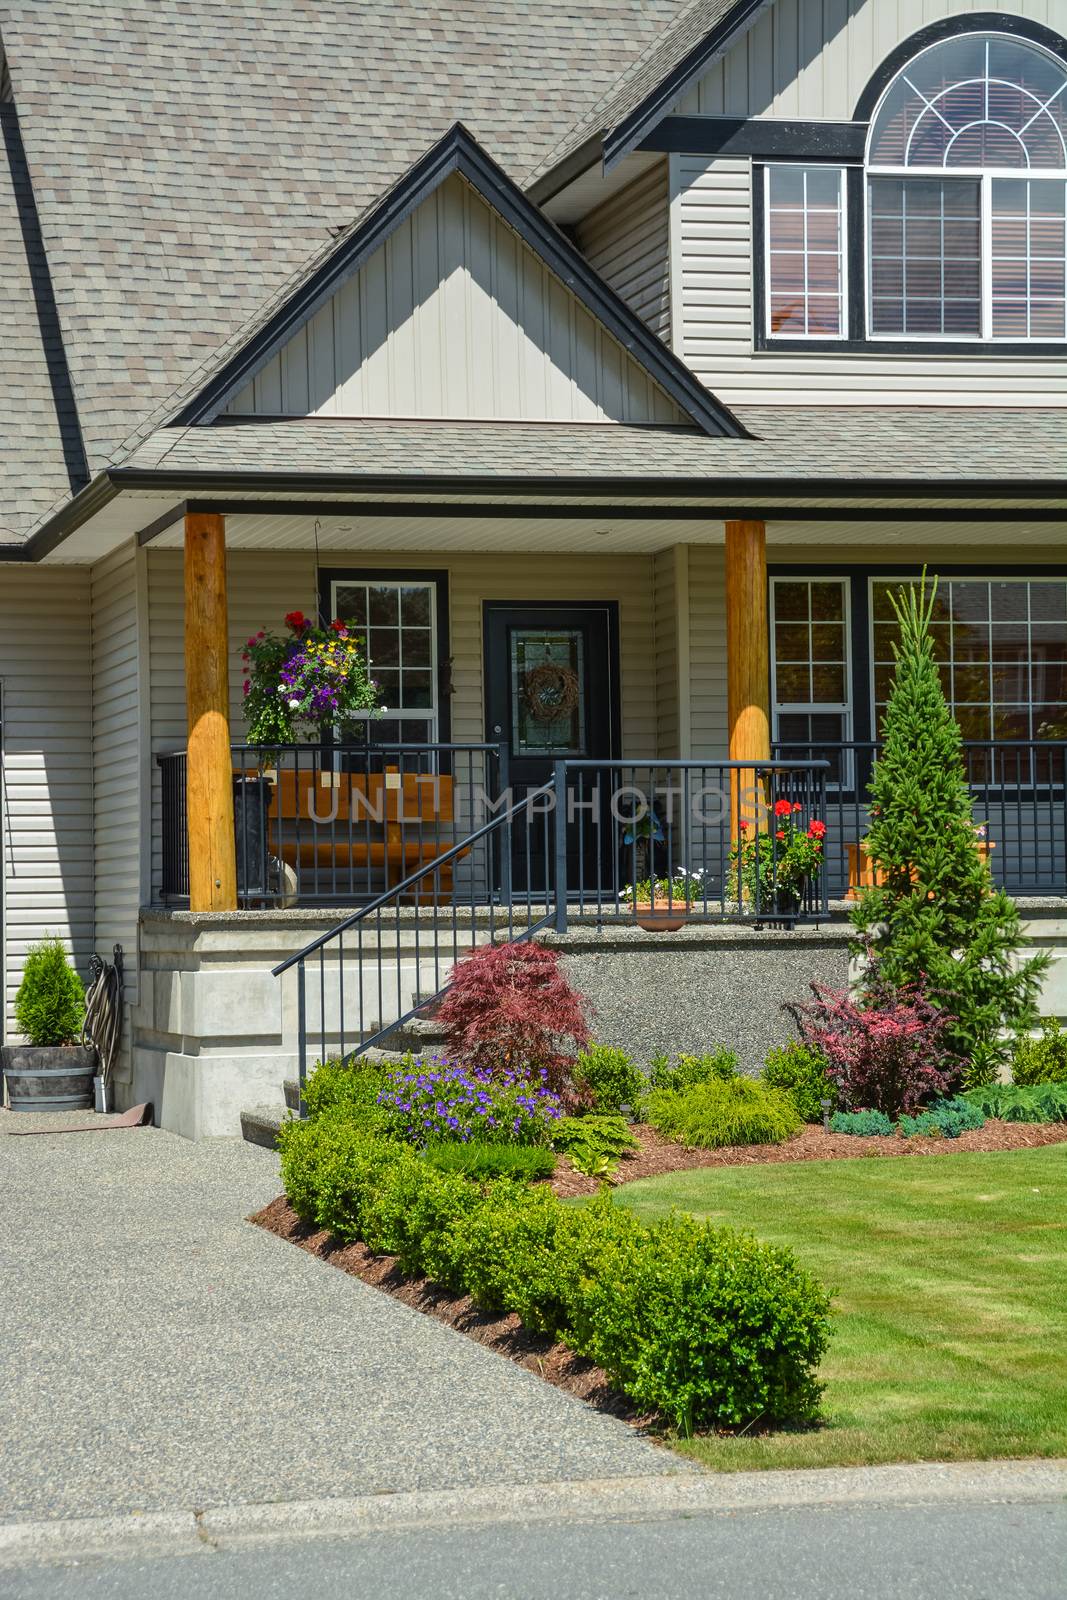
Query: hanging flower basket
x=305, y=681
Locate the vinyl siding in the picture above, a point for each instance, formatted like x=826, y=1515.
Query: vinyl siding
x=666, y=658
x=813, y=58
x=117, y=759
x=46, y=823
x=627, y=240
x=454, y=316
x=711, y=236
x=707, y=651
x=262, y=587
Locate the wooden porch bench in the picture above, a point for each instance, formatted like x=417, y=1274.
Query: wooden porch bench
x=322, y=822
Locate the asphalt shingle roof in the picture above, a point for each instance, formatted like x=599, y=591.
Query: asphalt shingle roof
x=189, y=158
x=820, y=443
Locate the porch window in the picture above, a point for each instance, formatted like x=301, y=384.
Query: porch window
x=805, y=209
x=1001, y=647
x=810, y=665
x=398, y=619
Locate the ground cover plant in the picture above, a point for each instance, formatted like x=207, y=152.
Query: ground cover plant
x=936, y=920
x=950, y=1282
x=715, y=1113
x=1012, y=1102
x=1041, y=1059
x=428, y=1100
x=942, y=1119
x=703, y=1325
x=593, y=1143
x=525, y=1162
x=863, y=1124
x=511, y=1008
x=801, y=1070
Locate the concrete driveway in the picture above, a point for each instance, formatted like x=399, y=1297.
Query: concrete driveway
x=161, y=1354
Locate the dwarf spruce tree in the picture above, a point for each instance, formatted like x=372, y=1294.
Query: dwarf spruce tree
x=935, y=917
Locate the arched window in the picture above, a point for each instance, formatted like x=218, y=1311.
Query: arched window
x=967, y=194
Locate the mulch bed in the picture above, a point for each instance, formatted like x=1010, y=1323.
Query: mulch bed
x=506, y=1335
x=656, y=1155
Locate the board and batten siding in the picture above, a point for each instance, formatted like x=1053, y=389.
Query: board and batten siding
x=455, y=316
x=813, y=58
x=711, y=240
x=627, y=240
x=118, y=758
x=46, y=823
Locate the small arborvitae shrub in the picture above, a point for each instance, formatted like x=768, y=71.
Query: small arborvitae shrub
x=685, y=1071
x=862, y=1124
x=936, y=919
x=1013, y=1102
x=613, y=1079
x=945, y=1119
x=888, y=1051
x=510, y=1008
x=712, y=1115
x=1042, y=1059
x=594, y=1143
x=800, y=1069
x=527, y=1163
x=50, y=1003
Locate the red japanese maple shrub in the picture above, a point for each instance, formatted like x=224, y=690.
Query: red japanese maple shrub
x=511, y=1006
x=889, y=1053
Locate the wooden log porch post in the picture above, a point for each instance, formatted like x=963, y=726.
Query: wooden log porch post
x=209, y=777
x=747, y=649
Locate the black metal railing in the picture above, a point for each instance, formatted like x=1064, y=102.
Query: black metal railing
x=668, y=841
x=393, y=957
x=1019, y=789
x=336, y=824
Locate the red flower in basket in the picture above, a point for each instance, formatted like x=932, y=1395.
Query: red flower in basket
x=297, y=621
x=339, y=627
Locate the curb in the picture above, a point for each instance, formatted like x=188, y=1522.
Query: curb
x=582, y=1500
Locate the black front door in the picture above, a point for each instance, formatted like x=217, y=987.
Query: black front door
x=551, y=691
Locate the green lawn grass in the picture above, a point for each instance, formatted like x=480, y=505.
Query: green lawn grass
x=950, y=1283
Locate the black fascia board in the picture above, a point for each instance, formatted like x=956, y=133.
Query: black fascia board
x=459, y=152
x=628, y=134
x=764, y=138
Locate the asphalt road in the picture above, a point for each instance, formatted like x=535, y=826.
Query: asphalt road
x=838, y=1552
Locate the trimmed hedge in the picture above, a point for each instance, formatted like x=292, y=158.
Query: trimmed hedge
x=800, y=1069
x=527, y=1162
x=709, y=1327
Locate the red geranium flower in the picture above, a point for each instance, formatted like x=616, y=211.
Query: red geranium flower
x=817, y=829
x=337, y=626
x=780, y=833
x=783, y=808
x=296, y=620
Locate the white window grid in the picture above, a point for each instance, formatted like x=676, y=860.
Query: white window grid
x=398, y=713
x=986, y=177
x=843, y=709
x=1028, y=583
x=840, y=211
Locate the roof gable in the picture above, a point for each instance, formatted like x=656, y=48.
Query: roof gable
x=585, y=327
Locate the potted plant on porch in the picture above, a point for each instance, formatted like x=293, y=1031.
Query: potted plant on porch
x=663, y=905
x=52, y=1071
x=770, y=866
x=311, y=680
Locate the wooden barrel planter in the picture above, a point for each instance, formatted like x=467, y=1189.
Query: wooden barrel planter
x=49, y=1077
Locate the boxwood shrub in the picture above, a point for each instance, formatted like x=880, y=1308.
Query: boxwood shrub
x=800, y=1069
x=709, y=1327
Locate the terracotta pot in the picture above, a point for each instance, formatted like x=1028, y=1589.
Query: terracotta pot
x=661, y=916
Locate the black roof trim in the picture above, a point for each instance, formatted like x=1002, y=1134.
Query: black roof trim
x=458, y=151
x=620, y=140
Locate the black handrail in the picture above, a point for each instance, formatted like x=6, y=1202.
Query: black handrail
x=434, y=931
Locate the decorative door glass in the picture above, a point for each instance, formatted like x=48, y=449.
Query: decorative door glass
x=547, y=668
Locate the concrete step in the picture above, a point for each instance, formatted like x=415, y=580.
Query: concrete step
x=260, y=1125
x=420, y=1035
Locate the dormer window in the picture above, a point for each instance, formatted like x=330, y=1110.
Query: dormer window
x=967, y=195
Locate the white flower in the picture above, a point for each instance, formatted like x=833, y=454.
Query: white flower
x=294, y=705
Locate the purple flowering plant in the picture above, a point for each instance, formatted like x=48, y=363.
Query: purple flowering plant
x=311, y=676
x=432, y=1099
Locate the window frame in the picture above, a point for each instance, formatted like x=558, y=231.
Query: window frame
x=843, y=293
x=860, y=340
x=846, y=709
x=437, y=582
x=963, y=575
